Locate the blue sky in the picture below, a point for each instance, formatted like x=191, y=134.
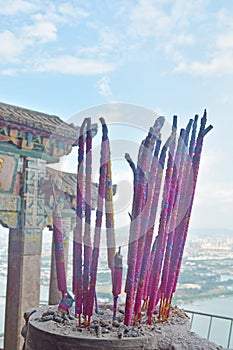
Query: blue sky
x=169, y=56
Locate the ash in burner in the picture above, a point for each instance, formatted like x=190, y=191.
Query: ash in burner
x=103, y=325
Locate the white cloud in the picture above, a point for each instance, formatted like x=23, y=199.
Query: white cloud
x=67, y=9
x=220, y=64
x=60, y=14
x=44, y=26
x=183, y=39
x=152, y=18
x=104, y=87
x=147, y=19
x=10, y=47
x=109, y=39
x=9, y=72
x=146, y=27
x=225, y=41
x=218, y=51
x=179, y=29
x=15, y=7
x=106, y=42
x=183, y=12
x=166, y=26
x=68, y=64
x=173, y=46
x=42, y=30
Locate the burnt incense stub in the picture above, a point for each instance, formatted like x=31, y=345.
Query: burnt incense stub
x=48, y=330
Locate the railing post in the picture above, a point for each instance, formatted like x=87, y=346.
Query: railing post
x=191, y=323
x=210, y=324
x=229, y=337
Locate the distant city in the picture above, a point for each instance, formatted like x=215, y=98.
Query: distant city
x=207, y=266
x=206, y=270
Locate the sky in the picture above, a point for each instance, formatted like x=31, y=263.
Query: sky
x=69, y=58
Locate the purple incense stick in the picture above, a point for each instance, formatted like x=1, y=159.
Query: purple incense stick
x=77, y=240
x=164, y=302
x=99, y=216
x=135, y=226
x=135, y=229
x=185, y=221
x=149, y=235
x=162, y=233
x=171, y=215
x=59, y=250
x=88, y=207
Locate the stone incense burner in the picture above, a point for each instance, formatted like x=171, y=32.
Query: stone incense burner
x=48, y=329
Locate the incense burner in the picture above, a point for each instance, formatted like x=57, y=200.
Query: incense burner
x=105, y=333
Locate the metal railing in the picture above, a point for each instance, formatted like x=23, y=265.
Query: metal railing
x=211, y=317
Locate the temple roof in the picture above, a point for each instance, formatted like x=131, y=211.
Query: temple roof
x=66, y=182
x=66, y=185
x=32, y=121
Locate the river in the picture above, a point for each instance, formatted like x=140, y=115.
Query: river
x=220, y=328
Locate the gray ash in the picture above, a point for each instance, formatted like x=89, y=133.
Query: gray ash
x=103, y=325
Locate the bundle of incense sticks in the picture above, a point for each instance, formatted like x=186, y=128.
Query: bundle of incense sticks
x=153, y=269
x=166, y=171
x=140, y=171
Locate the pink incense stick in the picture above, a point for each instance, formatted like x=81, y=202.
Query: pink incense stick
x=66, y=301
x=164, y=303
x=188, y=189
x=177, y=233
x=88, y=207
x=77, y=240
x=135, y=226
x=146, y=291
x=168, y=183
x=146, y=198
x=171, y=213
x=99, y=216
x=162, y=233
x=133, y=239
x=59, y=250
x=174, y=211
x=183, y=225
x=152, y=218
x=149, y=216
x=132, y=248
x=196, y=163
x=135, y=230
